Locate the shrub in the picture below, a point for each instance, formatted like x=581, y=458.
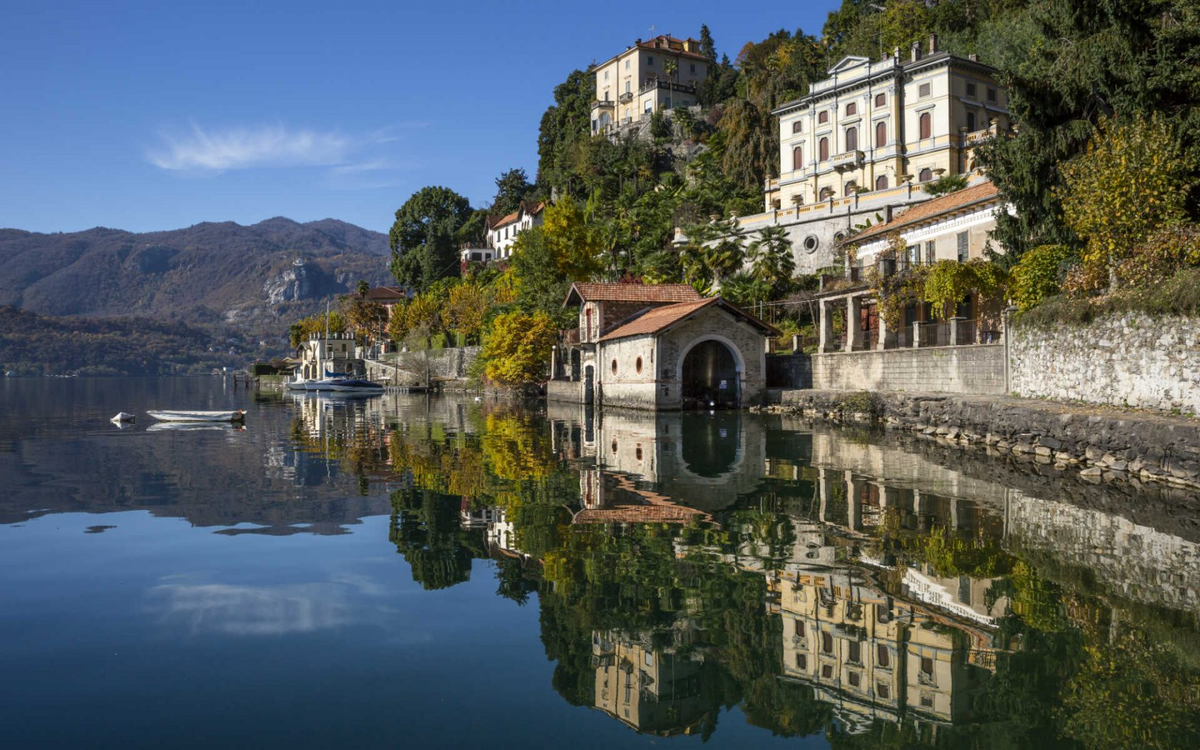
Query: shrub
x=1040, y=274
x=1167, y=252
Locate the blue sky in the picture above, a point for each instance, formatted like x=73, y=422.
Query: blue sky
x=158, y=115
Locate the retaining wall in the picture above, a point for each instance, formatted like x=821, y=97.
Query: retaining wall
x=976, y=369
x=1123, y=360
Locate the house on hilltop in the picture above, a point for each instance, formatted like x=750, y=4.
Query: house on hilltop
x=662, y=73
x=658, y=347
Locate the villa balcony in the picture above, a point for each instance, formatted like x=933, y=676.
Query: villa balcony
x=603, y=104
x=848, y=160
x=658, y=83
x=625, y=98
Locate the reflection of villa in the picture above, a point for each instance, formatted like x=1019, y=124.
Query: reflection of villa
x=877, y=656
x=499, y=533
x=653, y=690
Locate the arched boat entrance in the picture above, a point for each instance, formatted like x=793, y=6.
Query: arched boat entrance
x=710, y=377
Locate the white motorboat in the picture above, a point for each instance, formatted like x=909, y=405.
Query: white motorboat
x=237, y=415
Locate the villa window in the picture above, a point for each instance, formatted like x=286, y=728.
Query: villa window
x=927, y=666
x=798, y=158
x=797, y=127
x=823, y=117
x=827, y=643
x=823, y=149
x=855, y=679
x=850, y=188
x=626, y=65
x=851, y=109
x=855, y=652
x=801, y=661
x=930, y=251
x=693, y=69
x=851, y=139
x=883, y=657
x=926, y=125
x=650, y=61
x=971, y=121
x=971, y=94
x=991, y=94
x=880, y=134
x=880, y=100
x=925, y=175
x=881, y=689
x=827, y=671
x=963, y=247
x=881, y=182
x=923, y=90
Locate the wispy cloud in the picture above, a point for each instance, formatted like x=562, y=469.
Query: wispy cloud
x=217, y=150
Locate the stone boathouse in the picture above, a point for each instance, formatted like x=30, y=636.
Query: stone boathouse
x=661, y=346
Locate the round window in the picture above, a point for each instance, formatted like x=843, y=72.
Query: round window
x=811, y=243
x=638, y=365
x=839, y=236
x=614, y=367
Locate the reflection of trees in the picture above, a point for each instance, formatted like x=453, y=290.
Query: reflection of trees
x=1064, y=662
x=426, y=530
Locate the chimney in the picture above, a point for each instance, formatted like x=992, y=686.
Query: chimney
x=916, y=51
x=932, y=43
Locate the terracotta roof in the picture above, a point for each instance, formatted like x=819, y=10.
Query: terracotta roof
x=660, y=318
x=386, y=294
x=532, y=209
x=930, y=210
x=665, y=46
x=632, y=293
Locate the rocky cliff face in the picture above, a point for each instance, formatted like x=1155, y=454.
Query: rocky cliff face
x=289, y=286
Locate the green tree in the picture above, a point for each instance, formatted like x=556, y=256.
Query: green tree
x=564, y=125
x=540, y=288
x=423, y=237
x=708, y=48
x=512, y=187
x=1130, y=182
x=945, y=185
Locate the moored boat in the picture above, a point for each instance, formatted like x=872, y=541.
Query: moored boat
x=162, y=415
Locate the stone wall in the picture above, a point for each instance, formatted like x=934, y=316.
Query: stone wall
x=1123, y=360
x=408, y=368
x=977, y=369
x=570, y=391
x=1101, y=445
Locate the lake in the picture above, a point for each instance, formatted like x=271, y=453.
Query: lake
x=412, y=571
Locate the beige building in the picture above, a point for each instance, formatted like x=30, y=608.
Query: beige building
x=873, y=126
x=324, y=353
x=661, y=73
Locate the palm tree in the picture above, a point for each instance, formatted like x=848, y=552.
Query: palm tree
x=771, y=259
x=718, y=248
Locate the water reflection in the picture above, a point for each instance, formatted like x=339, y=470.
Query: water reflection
x=868, y=590
x=823, y=582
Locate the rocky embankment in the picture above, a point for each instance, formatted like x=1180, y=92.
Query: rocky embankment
x=1101, y=444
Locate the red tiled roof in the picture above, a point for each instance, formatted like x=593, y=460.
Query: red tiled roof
x=662, y=293
x=530, y=208
x=661, y=318
x=930, y=210
x=665, y=46
x=386, y=294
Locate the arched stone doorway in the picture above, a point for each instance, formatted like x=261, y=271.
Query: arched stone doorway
x=709, y=377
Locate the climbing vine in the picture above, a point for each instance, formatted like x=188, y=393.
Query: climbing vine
x=948, y=282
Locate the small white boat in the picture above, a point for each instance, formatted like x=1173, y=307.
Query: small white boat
x=237, y=415
x=196, y=426
x=123, y=416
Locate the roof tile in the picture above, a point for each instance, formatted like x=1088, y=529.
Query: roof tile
x=930, y=210
x=634, y=292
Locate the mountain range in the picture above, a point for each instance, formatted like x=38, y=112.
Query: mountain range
x=244, y=284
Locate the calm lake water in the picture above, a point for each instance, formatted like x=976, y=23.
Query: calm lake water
x=438, y=572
